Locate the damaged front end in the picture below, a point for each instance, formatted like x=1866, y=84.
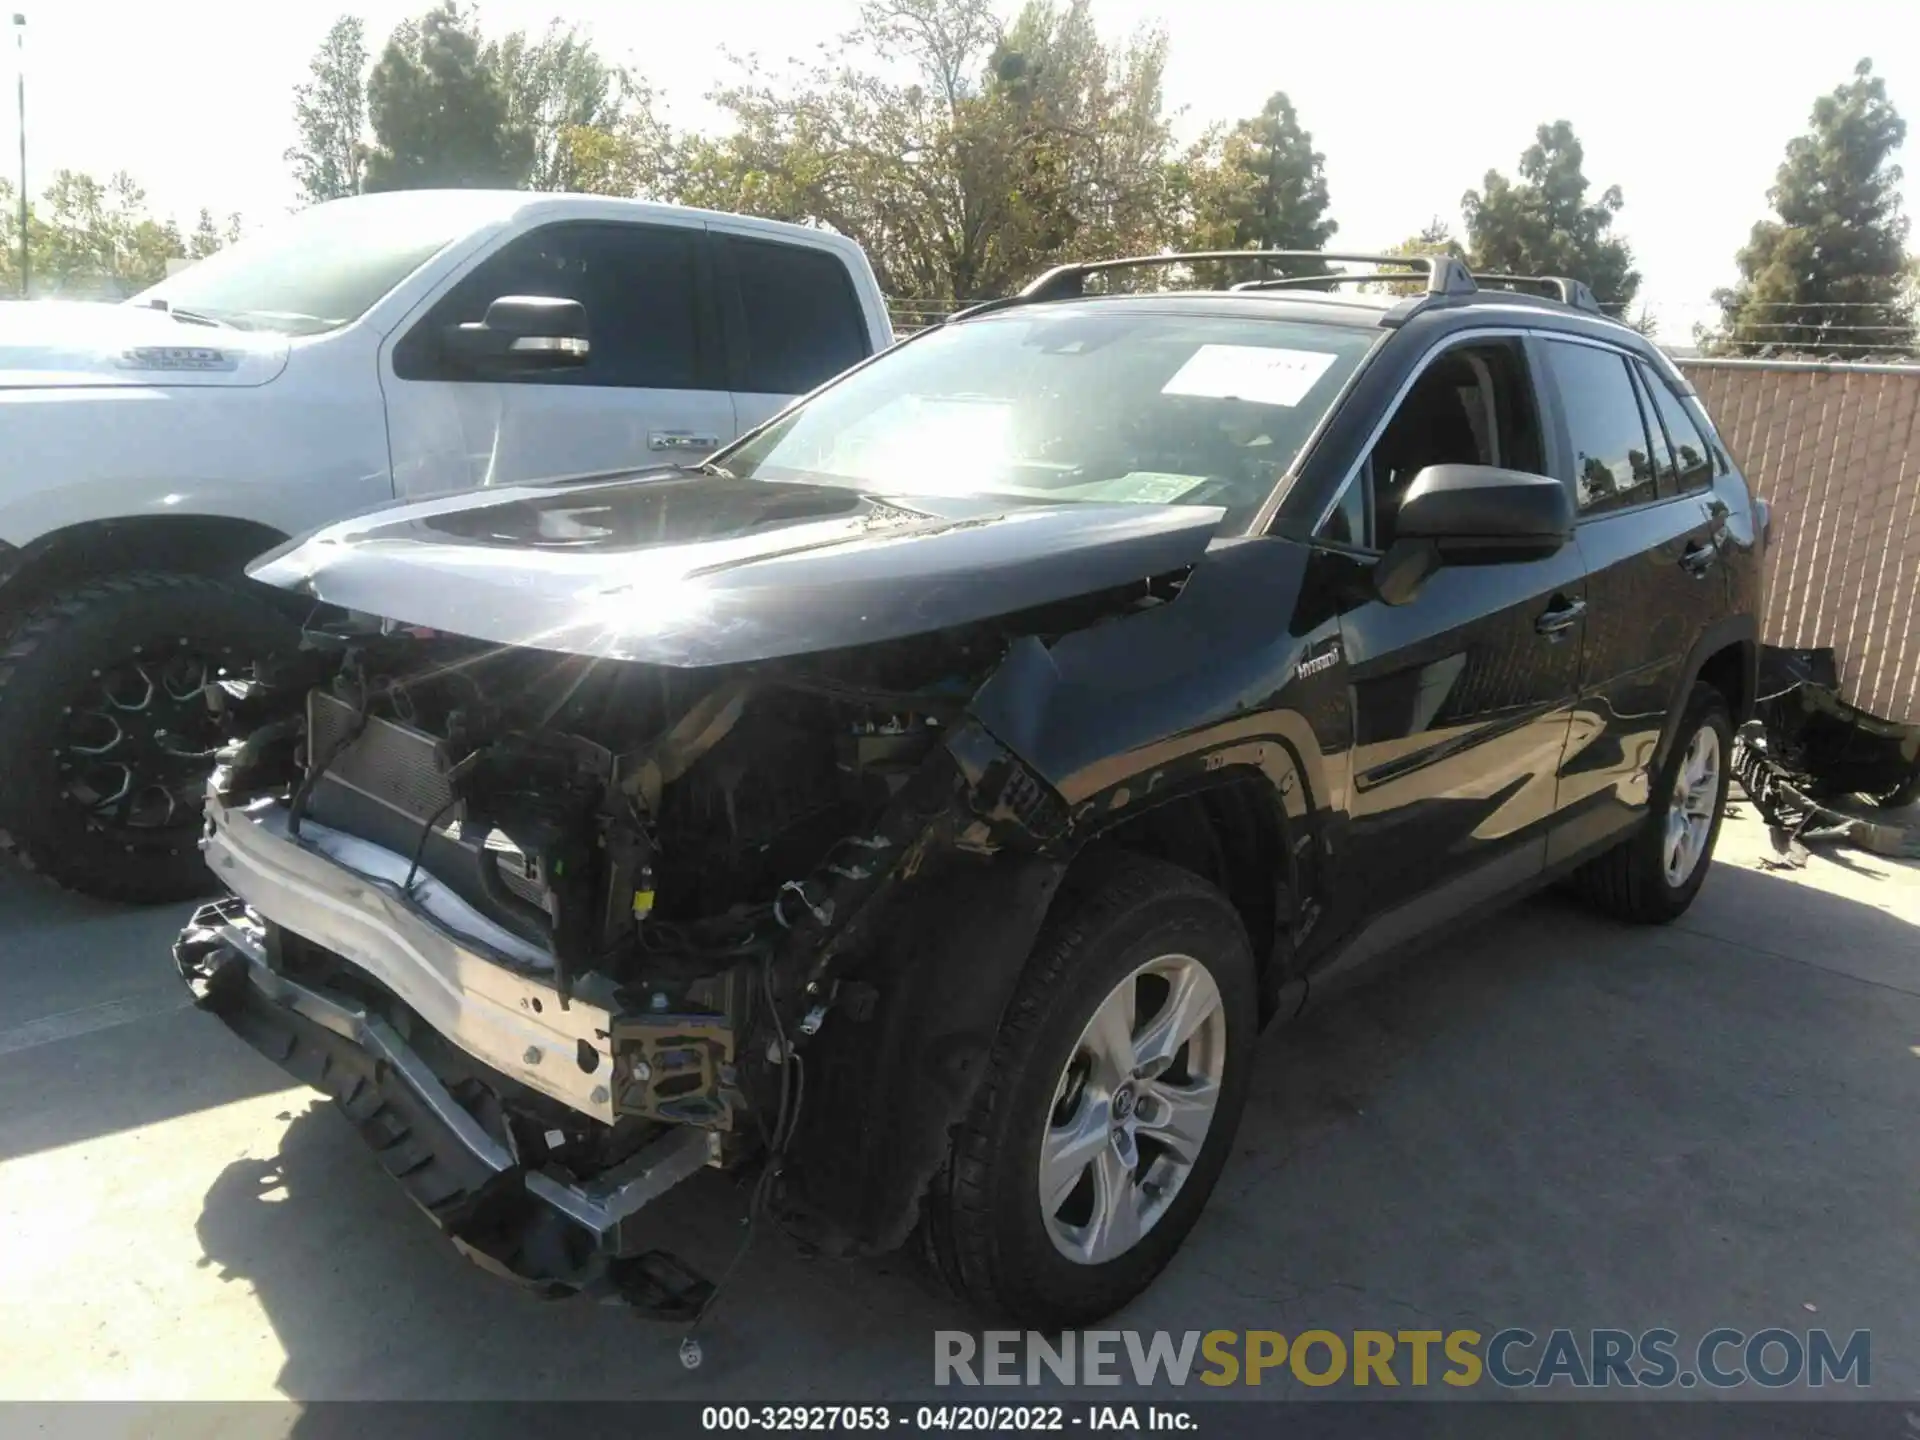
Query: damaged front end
x=558, y=931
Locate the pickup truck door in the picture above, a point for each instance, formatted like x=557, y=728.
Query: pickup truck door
x=653, y=390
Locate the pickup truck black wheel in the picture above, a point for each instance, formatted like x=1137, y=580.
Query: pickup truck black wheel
x=1109, y=1105
x=1652, y=876
x=106, y=732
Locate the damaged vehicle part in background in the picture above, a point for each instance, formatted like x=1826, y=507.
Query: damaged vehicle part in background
x=369, y=349
x=1808, y=748
x=927, y=799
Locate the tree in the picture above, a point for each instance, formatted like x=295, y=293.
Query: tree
x=1273, y=190
x=208, y=236
x=96, y=238
x=1543, y=223
x=963, y=156
x=1434, y=238
x=440, y=115
x=1831, y=273
x=330, y=114
x=590, y=124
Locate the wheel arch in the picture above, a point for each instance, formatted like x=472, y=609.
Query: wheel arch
x=216, y=545
x=1727, y=657
x=1233, y=827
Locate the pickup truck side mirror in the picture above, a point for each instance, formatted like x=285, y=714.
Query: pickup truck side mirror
x=1471, y=515
x=522, y=333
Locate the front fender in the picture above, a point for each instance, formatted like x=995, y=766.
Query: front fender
x=885, y=1091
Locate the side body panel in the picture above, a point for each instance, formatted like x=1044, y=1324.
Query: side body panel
x=307, y=447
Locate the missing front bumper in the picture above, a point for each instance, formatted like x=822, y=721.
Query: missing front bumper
x=543, y=1231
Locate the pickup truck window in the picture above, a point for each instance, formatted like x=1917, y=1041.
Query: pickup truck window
x=800, y=321
x=318, y=270
x=1142, y=407
x=641, y=289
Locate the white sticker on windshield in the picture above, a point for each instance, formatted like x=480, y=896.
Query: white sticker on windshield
x=1255, y=373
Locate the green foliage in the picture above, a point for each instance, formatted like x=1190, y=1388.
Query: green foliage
x=1270, y=191
x=963, y=156
x=1831, y=273
x=441, y=116
x=590, y=123
x=1544, y=224
x=89, y=239
x=208, y=236
x=330, y=116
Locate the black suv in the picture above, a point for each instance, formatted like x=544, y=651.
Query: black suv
x=925, y=801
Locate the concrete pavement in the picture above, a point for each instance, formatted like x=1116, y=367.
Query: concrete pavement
x=1551, y=1120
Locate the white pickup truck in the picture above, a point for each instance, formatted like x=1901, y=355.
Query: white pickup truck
x=379, y=348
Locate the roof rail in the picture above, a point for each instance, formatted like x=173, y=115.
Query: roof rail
x=1443, y=273
x=1557, y=287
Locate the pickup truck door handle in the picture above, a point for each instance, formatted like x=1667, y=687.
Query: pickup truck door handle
x=681, y=440
x=1699, y=557
x=1560, y=617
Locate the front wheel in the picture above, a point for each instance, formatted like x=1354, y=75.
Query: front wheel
x=106, y=732
x=1112, y=1095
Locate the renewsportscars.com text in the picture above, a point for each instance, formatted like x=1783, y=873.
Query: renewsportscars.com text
x=1514, y=1358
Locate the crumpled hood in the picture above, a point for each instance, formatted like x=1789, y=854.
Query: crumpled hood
x=682, y=568
x=63, y=343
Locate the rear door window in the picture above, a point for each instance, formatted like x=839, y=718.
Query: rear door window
x=1613, y=457
x=1686, y=459
x=797, y=319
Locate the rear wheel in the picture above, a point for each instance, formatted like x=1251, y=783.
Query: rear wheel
x=106, y=730
x=1652, y=876
x=1115, y=1086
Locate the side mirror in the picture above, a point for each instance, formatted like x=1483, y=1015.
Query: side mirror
x=522, y=333
x=1472, y=515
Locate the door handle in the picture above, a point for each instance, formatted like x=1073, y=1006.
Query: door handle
x=1560, y=618
x=1699, y=557
x=681, y=440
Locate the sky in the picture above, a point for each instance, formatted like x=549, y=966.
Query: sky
x=1687, y=104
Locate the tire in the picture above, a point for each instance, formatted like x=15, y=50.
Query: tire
x=71, y=670
x=987, y=1230
x=1633, y=881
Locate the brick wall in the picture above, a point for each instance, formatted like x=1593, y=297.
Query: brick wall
x=1836, y=451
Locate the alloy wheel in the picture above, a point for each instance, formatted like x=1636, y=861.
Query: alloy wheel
x=1132, y=1109
x=1690, y=811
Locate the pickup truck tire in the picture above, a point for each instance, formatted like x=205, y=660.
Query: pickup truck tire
x=989, y=1225
x=106, y=736
x=1638, y=880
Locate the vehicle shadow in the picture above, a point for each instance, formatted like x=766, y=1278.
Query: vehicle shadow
x=1549, y=1120
x=96, y=1033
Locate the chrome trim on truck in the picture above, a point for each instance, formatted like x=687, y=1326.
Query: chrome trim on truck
x=504, y=1018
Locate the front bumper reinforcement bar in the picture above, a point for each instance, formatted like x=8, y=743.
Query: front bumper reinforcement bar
x=545, y=1231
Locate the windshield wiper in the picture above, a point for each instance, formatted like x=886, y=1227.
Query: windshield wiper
x=707, y=467
x=189, y=317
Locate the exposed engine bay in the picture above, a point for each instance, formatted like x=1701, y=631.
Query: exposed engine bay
x=618, y=921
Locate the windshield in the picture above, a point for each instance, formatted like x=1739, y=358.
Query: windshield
x=317, y=270
x=1147, y=407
